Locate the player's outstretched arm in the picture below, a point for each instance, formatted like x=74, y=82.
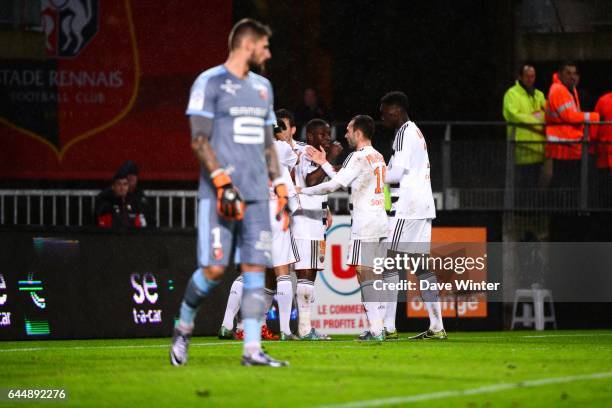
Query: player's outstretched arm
x=349, y=172
x=320, y=189
x=320, y=157
x=317, y=176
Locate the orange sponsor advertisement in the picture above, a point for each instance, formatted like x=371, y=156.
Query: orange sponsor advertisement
x=458, y=255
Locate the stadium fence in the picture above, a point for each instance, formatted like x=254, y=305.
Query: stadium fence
x=473, y=168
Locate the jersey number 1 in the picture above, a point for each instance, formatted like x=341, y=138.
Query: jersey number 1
x=380, y=178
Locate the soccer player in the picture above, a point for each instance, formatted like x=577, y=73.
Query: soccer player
x=363, y=173
x=309, y=223
x=413, y=209
x=284, y=248
x=231, y=116
x=288, y=119
x=284, y=251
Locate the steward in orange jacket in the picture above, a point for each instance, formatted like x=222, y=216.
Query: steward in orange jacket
x=563, y=116
x=602, y=134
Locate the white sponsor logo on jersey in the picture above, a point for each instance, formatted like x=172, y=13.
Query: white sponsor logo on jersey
x=230, y=87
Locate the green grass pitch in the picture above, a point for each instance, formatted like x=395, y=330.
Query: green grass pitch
x=488, y=369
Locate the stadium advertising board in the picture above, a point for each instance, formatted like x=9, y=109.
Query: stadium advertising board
x=98, y=285
x=99, y=84
x=338, y=308
x=454, y=244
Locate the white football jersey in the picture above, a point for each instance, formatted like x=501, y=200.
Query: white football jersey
x=287, y=160
x=308, y=222
x=413, y=198
x=299, y=147
x=363, y=172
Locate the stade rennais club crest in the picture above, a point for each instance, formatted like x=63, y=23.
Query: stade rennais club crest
x=79, y=79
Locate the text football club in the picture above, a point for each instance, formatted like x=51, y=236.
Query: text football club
x=82, y=81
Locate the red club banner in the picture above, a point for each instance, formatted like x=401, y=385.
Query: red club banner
x=101, y=82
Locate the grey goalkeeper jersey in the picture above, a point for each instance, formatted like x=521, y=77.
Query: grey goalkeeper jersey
x=241, y=109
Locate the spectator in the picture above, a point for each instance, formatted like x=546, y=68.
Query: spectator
x=564, y=126
x=116, y=208
x=602, y=135
x=525, y=104
x=131, y=170
x=310, y=108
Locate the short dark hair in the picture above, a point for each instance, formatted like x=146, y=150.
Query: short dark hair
x=567, y=64
x=286, y=114
x=128, y=168
x=364, y=123
x=120, y=175
x=244, y=27
x=395, y=98
x=315, y=123
x=522, y=66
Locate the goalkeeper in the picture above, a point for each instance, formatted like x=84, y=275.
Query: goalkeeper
x=231, y=116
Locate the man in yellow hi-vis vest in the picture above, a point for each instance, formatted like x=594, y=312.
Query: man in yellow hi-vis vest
x=525, y=104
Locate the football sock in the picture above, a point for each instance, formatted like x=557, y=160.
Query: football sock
x=305, y=299
x=253, y=305
x=371, y=302
x=251, y=345
x=268, y=298
x=382, y=312
x=432, y=302
x=197, y=289
x=233, y=303
x=391, y=298
x=284, y=297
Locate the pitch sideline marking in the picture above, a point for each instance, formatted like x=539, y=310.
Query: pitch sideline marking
x=229, y=343
x=565, y=335
x=127, y=346
x=535, y=336
x=487, y=389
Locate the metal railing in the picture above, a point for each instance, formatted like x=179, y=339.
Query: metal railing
x=474, y=165
x=171, y=208
x=473, y=168
x=46, y=207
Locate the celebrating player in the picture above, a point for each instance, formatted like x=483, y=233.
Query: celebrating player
x=413, y=208
x=363, y=173
x=231, y=116
x=284, y=251
x=309, y=223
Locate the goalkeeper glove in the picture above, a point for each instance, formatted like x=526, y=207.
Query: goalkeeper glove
x=230, y=204
x=282, y=202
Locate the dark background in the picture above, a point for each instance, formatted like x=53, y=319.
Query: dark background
x=454, y=59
